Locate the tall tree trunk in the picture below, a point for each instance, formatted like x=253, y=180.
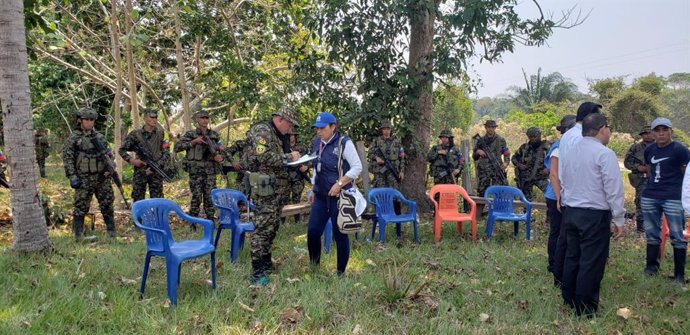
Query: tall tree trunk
x=420, y=99
x=130, y=66
x=187, y=118
x=117, y=110
x=30, y=231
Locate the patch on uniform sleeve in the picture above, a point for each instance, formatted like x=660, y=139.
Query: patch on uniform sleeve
x=505, y=151
x=260, y=149
x=262, y=141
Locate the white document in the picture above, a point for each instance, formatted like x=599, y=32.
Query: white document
x=302, y=160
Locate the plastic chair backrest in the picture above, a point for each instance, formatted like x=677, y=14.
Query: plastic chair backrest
x=500, y=198
x=229, y=199
x=154, y=213
x=383, y=199
x=448, y=196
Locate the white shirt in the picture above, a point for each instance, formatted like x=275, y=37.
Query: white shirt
x=591, y=178
x=685, y=197
x=568, y=140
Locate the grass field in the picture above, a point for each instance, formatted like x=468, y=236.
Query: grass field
x=456, y=287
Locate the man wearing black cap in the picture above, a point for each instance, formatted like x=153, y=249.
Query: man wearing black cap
x=529, y=163
x=445, y=160
x=204, y=152
x=634, y=161
x=494, y=147
x=667, y=161
x=150, y=139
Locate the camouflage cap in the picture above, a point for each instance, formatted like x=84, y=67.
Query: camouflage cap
x=287, y=113
x=446, y=133
x=200, y=113
x=385, y=124
x=150, y=112
x=87, y=113
x=645, y=129
x=533, y=132
x=490, y=123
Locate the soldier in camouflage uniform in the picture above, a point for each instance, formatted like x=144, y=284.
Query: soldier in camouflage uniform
x=446, y=161
x=151, y=137
x=268, y=179
x=386, y=147
x=634, y=161
x=297, y=175
x=42, y=150
x=487, y=174
x=233, y=157
x=529, y=163
x=203, y=156
x=86, y=170
x=3, y=162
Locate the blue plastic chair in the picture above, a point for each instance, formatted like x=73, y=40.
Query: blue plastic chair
x=151, y=216
x=227, y=202
x=383, y=199
x=500, y=201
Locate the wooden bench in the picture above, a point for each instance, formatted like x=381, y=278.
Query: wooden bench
x=294, y=209
x=535, y=205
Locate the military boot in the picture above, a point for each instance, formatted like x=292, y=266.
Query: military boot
x=78, y=228
x=110, y=225
x=679, y=257
x=652, y=267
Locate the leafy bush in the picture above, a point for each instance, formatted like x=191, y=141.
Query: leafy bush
x=620, y=143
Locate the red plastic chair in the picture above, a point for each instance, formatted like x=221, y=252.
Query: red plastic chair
x=665, y=232
x=446, y=208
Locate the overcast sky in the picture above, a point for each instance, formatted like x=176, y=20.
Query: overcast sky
x=620, y=37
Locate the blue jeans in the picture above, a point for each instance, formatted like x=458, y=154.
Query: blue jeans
x=324, y=208
x=652, y=209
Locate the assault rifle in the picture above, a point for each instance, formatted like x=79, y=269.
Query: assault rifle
x=388, y=164
x=3, y=181
x=146, y=156
x=103, y=151
x=481, y=144
x=520, y=175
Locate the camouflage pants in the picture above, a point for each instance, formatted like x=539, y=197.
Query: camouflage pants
x=385, y=180
x=528, y=187
x=201, y=184
x=266, y=223
x=486, y=178
x=295, y=191
x=139, y=182
x=94, y=184
x=41, y=166
x=639, y=218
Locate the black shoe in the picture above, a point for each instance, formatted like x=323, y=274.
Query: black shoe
x=679, y=257
x=652, y=267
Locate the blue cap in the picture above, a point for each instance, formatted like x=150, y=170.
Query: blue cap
x=661, y=121
x=323, y=120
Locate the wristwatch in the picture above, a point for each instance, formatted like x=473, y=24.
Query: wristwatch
x=340, y=183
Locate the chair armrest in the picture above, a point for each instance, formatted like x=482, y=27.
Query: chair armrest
x=432, y=201
x=251, y=205
x=207, y=224
x=409, y=203
x=164, y=239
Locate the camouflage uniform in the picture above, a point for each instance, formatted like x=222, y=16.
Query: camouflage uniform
x=393, y=151
x=155, y=143
x=269, y=183
x=3, y=162
x=238, y=148
x=486, y=172
x=85, y=168
x=42, y=150
x=638, y=180
x=201, y=167
x=441, y=166
x=535, y=174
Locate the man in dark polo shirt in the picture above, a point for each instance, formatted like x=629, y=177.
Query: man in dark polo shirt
x=667, y=161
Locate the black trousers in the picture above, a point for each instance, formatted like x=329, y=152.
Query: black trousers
x=556, y=242
x=588, y=233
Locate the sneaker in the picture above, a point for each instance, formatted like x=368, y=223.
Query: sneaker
x=259, y=280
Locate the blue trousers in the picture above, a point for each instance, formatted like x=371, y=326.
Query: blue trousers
x=673, y=209
x=323, y=208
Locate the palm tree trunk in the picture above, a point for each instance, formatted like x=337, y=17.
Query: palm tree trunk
x=30, y=231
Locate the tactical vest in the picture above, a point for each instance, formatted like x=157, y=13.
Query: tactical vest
x=201, y=152
x=153, y=143
x=387, y=147
x=89, y=160
x=442, y=164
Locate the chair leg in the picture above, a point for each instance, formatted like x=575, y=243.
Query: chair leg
x=213, y=270
x=459, y=227
x=437, y=230
x=328, y=236
x=516, y=228
x=416, y=234
x=215, y=244
x=179, y=274
x=382, y=232
x=473, y=227
x=490, y=227
x=398, y=229
x=373, y=228
x=144, y=275
x=234, y=246
x=172, y=280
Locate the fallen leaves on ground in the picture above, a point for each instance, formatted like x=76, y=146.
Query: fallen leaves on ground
x=291, y=315
x=624, y=313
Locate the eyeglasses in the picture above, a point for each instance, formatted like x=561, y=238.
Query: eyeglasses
x=606, y=126
x=203, y=117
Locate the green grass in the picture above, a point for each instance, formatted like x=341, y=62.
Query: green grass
x=457, y=281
